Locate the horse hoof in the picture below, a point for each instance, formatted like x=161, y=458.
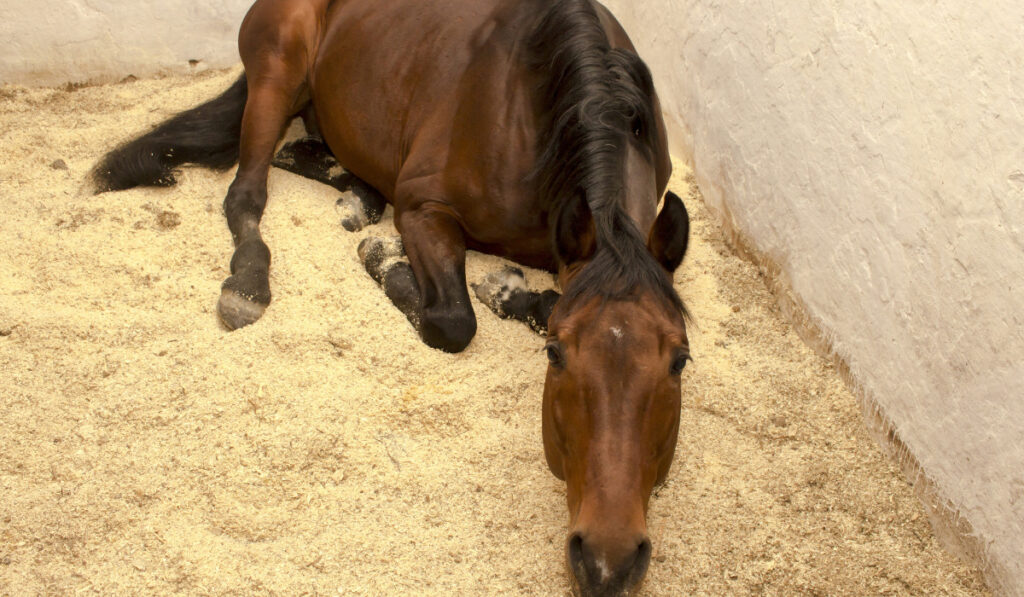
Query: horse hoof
x=379, y=254
x=385, y=246
x=353, y=214
x=236, y=311
x=497, y=288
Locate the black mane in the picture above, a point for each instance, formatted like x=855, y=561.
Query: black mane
x=597, y=97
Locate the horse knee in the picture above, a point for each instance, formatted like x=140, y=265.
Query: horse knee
x=448, y=328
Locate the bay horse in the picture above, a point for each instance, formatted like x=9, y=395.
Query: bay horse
x=528, y=129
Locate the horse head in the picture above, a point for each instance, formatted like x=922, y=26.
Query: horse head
x=612, y=394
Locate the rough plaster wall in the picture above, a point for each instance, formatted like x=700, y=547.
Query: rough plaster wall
x=50, y=42
x=875, y=153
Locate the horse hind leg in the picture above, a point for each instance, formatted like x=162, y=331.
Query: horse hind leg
x=505, y=292
x=245, y=294
x=309, y=157
x=276, y=93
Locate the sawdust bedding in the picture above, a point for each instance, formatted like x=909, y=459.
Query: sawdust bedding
x=326, y=450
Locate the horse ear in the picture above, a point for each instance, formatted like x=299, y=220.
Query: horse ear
x=574, y=232
x=670, y=233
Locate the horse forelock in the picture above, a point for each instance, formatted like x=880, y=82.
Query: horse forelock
x=596, y=96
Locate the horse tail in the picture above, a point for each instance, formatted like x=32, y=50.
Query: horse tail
x=207, y=135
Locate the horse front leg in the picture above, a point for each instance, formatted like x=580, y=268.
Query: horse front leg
x=430, y=289
x=505, y=292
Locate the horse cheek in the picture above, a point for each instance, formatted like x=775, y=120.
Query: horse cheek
x=553, y=448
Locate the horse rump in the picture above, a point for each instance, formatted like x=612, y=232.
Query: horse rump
x=207, y=135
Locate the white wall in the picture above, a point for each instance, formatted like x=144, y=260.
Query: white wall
x=51, y=42
x=875, y=153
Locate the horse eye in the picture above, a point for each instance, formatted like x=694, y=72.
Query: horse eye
x=638, y=128
x=554, y=355
x=679, y=363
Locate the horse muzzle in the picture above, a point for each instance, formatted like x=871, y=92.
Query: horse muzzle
x=607, y=567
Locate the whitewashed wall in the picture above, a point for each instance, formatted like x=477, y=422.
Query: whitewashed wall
x=51, y=42
x=874, y=152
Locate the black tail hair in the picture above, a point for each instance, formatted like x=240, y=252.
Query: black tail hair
x=207, y=135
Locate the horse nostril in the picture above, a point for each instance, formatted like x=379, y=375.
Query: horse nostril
x=576, y=563
x=643, y=559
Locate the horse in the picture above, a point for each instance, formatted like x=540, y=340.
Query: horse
x=528, y=129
